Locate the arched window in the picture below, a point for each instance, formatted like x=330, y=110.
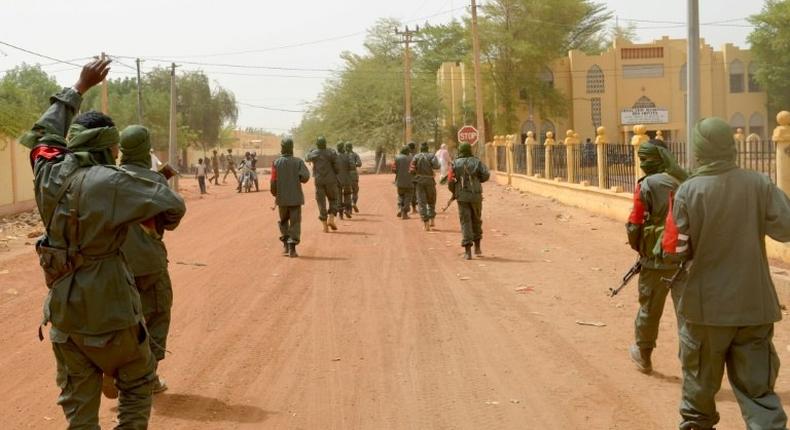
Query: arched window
x=644, y=103
x=595, y=111
x=684, y=77
x=595, y=80
x=546, y=127
x=754, y=86
x=736, y=76
x=547, y=76
x=757, y=125
x=737, y=121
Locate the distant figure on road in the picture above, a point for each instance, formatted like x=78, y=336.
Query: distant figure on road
x=201, y=176
x=215, y=167
x=412, y=152
x=325, y=177
x=465, y=182
x=344, y=180
x=403, y=181
x=422, y=169
x=254, y=167
x=443, y=155
x=652, y=199
x=728, y=303
x=288, y=175
x=354, y=163
x=230, y=166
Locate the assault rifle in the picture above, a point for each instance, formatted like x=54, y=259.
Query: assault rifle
x=633, y=271
x=671, y=281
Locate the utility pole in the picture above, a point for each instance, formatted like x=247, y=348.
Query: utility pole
x=139, y=95
x=105, y=98
x=172, y=141
x=481, y=125
x=692, y=68
x=406, y=38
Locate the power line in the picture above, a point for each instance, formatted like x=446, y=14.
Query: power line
x=270, y=108
x=39, y=55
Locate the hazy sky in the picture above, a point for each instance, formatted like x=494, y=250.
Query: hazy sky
x=272, y=38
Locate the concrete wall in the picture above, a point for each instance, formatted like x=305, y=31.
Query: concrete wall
x=16, y=178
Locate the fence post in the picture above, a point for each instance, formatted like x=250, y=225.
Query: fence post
x=640, y=137
x=739, y=137
x=490, y=154
x=781, y=138
x=549, y=144
x=571, y=154
x=600, y=148
x=530, y=142
x=511, y=158
x=659, y=135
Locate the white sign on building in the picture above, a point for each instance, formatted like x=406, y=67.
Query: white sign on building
x=644, y=116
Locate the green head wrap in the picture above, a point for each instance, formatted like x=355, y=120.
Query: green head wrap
x=714, y=147
x=349, y=147
x=96, y=142
x=405, y=150
x=136, y=146
x=465, y=150
x=424, y=147
x=341, y=147
x=656, y=158
x=320, y=142
x=287, y=146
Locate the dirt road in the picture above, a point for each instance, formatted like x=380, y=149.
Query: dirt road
x=381, y=325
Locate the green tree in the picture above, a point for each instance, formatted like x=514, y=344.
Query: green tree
x=770, y=41
x=24, y=94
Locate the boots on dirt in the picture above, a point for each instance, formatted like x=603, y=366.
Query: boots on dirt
x=159, y=385
x=467, y=252
x=340, y=214
x=331, y=222
x=285, y=246
x=427, y=225
x=478, y=251
x=356, y=209
x=326, y=226
x=405, y=214
x=641, y=357
x=433, y=224
x=292, y=250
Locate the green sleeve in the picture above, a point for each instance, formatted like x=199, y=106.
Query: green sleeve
x=777, y=215
x=482, y=172
x=680, y=218
x=137, y=199
x=304, y=174
x=55, y=122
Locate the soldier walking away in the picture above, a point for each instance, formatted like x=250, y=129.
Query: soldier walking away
x=230, y=167
x=728, y=302
x=412, y=152
x=422, y=168
x=403, y=181
x=344, y=180
x=288, y=175
x=145, y=251
x=87, y=206
x=645, y=225
x=254, y=167
x=201, y=176
x=354, y=163
x=214, y=168
x=465, y=180
x=324, y=162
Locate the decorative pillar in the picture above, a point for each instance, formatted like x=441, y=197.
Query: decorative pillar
x=781, y=138
x=640, y=137
x=659, y=135
x=600, y=147
x=572, y=154
x=549, y=144
x=530, y=142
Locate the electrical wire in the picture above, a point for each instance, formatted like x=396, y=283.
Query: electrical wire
x=39, y=54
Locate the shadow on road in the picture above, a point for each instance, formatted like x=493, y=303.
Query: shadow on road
x=667, y=378
x=503, y=259
x=195, y=407
x=354, y=233
x=314, y=258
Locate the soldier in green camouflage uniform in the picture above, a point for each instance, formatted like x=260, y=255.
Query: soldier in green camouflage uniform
x=728, y=302
x=344, y=180
x=325, y=170
x=87, y=205
x=645, y=225
x=288, y=175
x=465, y=180
x=354, y=163
x=145, y=251
x=422, y=168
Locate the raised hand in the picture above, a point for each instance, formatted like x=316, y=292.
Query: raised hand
x=92, y=73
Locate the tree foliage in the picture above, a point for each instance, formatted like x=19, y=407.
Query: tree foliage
x=24, y=94
x=770, y=41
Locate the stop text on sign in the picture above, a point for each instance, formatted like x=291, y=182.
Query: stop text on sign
x=467, y=134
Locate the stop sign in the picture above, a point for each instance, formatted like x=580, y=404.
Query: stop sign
x=467, y=134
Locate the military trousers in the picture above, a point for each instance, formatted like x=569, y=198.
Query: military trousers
x=426, y=199
x=653, y=290
x=327, y=195
x=230, y=169
x=752, y=366
x=354, y=192
x=470, y=215
x=404, y=199
x=290, y=223
x=156, y=295
x=345, y=197
x=126, y=356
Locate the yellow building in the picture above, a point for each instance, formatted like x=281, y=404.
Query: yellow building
x=633, y=84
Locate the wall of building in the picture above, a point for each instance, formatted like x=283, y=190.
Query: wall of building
x=16, y=178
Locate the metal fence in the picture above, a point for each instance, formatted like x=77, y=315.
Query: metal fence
x=585, y=158
x=620, y=167
x=559, y=162
x=538, y=153
x=520, y=158
x=501, y=158
x=758, y=156
x=678, y=149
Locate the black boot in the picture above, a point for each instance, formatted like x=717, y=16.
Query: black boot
x=292, y=250
x=641, y=357
x=467, y=252
x=477, y=248
x=285, y=246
